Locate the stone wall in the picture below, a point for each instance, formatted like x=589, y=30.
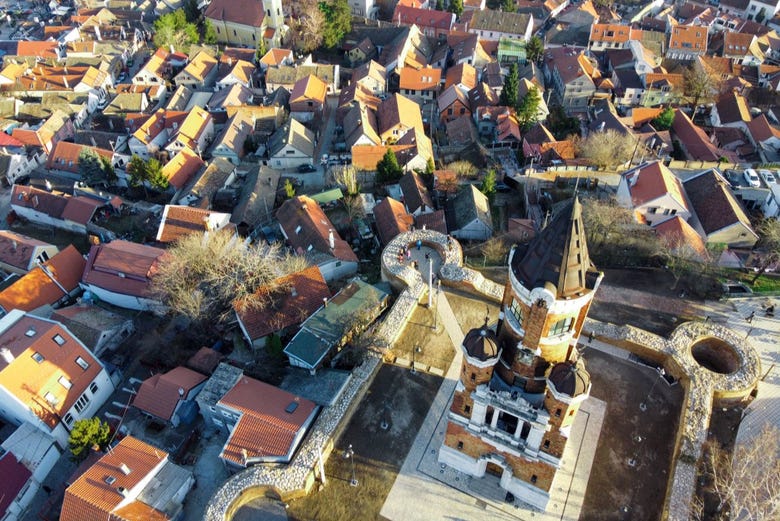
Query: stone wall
x=703, y=387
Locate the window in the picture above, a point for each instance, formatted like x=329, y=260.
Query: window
x=81, y=403
x=38, y=357
x=473, y=377
x=546, y=444
x=533, y=478
x=460, y=445
x=67, y=419
x=51, y=399
x=93, y=388
x=558, y=413
x=562, y=326
x=67, y=384
x=58, y=339
x=290, y=152
x=82, y=363
x=517, y=311
x=467, y=409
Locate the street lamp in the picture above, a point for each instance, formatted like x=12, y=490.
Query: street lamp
x=350, y=455
x=417, y=349
x=661, y=374
x=436, y=308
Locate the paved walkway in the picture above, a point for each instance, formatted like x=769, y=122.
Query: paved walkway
x=425, y=491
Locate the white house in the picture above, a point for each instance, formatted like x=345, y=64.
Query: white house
x=470, y=215
x=653, y=192
x=71, y=383
x=291, y=146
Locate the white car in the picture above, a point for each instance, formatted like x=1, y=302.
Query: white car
x=767, y=176
x=751, y=177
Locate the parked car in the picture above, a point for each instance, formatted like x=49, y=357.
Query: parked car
x=768, y=177
x=751, y=177
x=305, y=169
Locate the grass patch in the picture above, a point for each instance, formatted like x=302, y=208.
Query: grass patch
x=436, y=349
x=470, y=310
x=766, y=283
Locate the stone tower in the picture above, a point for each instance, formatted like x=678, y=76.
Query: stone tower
x=274, y=21
x=520, y=387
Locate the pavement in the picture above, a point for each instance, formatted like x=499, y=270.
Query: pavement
x=427, y=491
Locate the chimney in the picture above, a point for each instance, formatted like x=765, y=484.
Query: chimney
x=331, y=240
x=14, y=245
x=122, y=491
x=7, y=355
x=294, y=291
x=181, y=393
x=125, y=469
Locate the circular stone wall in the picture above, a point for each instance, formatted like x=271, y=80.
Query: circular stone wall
x=716, y=354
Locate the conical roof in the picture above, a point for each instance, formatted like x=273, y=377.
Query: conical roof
x=570, y=378
x=480, y=343
x=558, y=255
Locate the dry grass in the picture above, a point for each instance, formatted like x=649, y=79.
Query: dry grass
x=470, y=309
x=436, y=349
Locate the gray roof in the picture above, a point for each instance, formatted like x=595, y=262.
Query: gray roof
x=223, y=380
x=470, y=204
x=489, y=20
x=295, y=134
x=288, y=75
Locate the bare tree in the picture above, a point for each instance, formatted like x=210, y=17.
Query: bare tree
x=205, y=276
x=614, y=236
x=347, y=178
x=608, y=149
x=307, y=29
x=494, y=250
x=768, y=245
x=745, y=483
x=698, y=84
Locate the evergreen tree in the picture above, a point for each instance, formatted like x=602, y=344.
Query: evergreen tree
x=88, y=433
x=456, y=6
x=534, y=49
x=95, y=169
x=528, y=108
x=508, y=96
x=664, y=119
x=508, y=6
x=338, y=21
x=209, y=34
x=137, y=171
x=261, y=50
x=156, y=176
x=289, y=189
x=440, y=5
x=388, y=169
x=489, y=183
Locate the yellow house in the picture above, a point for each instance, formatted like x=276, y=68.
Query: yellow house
x=243, y=23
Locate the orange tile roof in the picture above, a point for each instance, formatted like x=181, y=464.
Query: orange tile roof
x=201, y=66
x=610, y=33
x=265, y=428
x=91, y=498
x=427, y=78
x=690, y=38
x=17, y=250
x=182, y=168
x=642, y=115
x=242, y=70
x=309, y=88
x=676, y=233
x=179, y=221
x=314, y=230
x=295, y=297
x=736, y=44
x=160, y=394
x=275, y=57
x=65, y=156
x=37, y=385
x=35, y=48
x=463, y=74
x=192, y=127
x=80, y=209
x=655, y=180
x=391, y=219
x=36, y=288
x=156, y=62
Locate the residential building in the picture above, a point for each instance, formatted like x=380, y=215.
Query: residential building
x=611, y=36
x=230, y=143
x=97, y=328
x=493, y=25
x=20, y=254
x=182, y=168
x=721, y=215
x=285, y=76
x=120, y=273
x=235, y=72
x=432, y=23
x=453, y=103
x=276, y=57
x=134, y=480
x=742, y=48
x=200, y=72
x=681, y=238
x=364, y=8
x=170, y=397
x=420, y=85
x=307, y=98
x=291, y=146
x=468, y=215
x=686, y=42
x=59, y=211
x=511, y=50
x=661, y=89
x=70, y=382
x=371, y=76
x=245, y=23
x=692, y=139
x=571, y=74
x=512, y=419
x=765, y=137
x=731, y=110
x=295, y=297
x=309, y=232
x=178, y=221
x=398, y=115
x=196, y=132
x=654, y=193
x=156, y=70
x=391, y=219
x=416, y=197
x=350, y=311
x=50, y=283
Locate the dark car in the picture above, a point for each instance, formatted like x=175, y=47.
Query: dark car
x=305, y=169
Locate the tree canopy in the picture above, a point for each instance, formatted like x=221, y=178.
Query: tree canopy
x=614, y=237
x=528, y=108
x=147, y=173
x=209, y=34
x=88, y=433
x=173, y=29
x=387, y=169
x=508, y=6
x=664, y=120
x=95, y=169
x=768, y=244
x=338, y=21
x=456, y=6
x=698, y=85
x=607, y=149
x=509, y=93
x=205, y=277
x=534, y=49
x=561, y=125
x=489, y=183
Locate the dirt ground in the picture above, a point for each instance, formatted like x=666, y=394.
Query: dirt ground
x=401, y=400
x=634, y=454
x=471, y=310
x=435, y=346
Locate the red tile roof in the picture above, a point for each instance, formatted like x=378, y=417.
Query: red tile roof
x=678, y=235
x=123, y=267
x=432, y=221
x=438, y=20
x=265, y=429
x=242, y=12
x=31, y=382
x=179, y=221
x=80, y=209
x=15, y=476
x=693, y=138
x=17, y=250
x=391, y=219
x=293, y=298
x=688, y=38
x=461, y=74
x=65, y=156
x=37, y=288
x=305, y=224
x=761, y=130
x=654, y=180
x=91, y=498
x=160, y=394
x=714, y=202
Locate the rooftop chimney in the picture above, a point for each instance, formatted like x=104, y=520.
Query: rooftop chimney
x=125, y=469
x=7, y=355
x=331, y=240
